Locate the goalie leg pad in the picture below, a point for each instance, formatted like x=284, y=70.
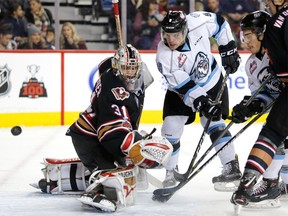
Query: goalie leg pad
x=67, y=176
x=109, y=187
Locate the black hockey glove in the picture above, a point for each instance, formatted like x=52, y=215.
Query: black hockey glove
x=230, y=57
x=205, y=105
x=241, y=113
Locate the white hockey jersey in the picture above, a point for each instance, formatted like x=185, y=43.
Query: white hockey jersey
x=257, y=71
x=192, y=69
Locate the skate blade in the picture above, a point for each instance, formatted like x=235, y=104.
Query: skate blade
x=284, y=197
x=35, y=185
x=237, y=209
x=226, y=186
x=265, y=204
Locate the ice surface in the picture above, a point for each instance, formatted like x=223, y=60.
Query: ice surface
x=20, y=158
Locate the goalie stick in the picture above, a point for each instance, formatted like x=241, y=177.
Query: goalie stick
x=164, y=194
x=182, y=177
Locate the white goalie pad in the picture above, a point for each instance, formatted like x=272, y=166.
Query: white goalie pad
x=147, y=153
x=117, y=185
x=63, y=176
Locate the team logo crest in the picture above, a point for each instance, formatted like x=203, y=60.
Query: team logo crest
x=33, y=88
x=5, y=84
x=273, y=85
x=252, y=67
x=200, y=68
x=120, y=93
x=181, y=60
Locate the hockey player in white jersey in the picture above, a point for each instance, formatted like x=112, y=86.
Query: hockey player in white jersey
x=194, y=78
x=266, y=192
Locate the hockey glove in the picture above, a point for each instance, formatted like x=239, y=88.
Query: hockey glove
x=230, y=57
x=241, y=112
x=206, y=106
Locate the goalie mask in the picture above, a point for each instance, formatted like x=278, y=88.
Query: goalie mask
x=256, y=22
x=127, y=62
x=174, y=29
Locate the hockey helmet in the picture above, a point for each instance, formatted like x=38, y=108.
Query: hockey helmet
x=255, y=21
x=174, y=21
x=127, y=62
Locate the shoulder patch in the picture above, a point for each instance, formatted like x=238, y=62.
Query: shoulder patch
x=120, y=93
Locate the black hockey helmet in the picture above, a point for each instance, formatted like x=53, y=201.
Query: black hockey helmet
x=255, y=21
x=174, y=21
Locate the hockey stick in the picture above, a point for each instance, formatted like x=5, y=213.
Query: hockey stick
x=117, y=21
x=183, y=177
x=164, y=194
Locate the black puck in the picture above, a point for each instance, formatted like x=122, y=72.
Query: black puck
x=16, y=130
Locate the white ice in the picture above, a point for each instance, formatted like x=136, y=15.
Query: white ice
x=20, y=158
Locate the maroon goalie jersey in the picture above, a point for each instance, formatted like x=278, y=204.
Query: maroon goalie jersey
x=113, y=111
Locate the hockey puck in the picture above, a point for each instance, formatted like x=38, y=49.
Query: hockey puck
x=16, y=130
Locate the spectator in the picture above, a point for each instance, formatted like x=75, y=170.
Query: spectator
x=163, y=5
x=147, y=25
x=39, y=16
x=234, y=11
x=16, y=18
x=35, y=39
x=213, y=6
x=5, y=5
x=132, y=7
x=69, y=38
x=199, y=6
x=50, y=37
x=6, y=35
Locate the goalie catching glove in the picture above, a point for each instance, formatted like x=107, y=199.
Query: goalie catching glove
x=210, y=110
x=230, y=57
x=153, y=152
x=241, y=112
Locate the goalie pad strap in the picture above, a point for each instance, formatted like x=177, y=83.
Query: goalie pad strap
x=73, y=183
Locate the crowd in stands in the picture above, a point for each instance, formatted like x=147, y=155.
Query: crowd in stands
x=144, y=17
x=26, y=24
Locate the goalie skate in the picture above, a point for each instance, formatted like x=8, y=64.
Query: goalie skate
x=98, y=202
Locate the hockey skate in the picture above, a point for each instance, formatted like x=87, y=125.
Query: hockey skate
x=241, y=197
x=229, y=179
x=284, y=190
x=265, y=194
x=169, y=180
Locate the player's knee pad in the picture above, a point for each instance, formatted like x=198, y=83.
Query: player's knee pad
x=147, y=153
x=63, y=176
x=215, y=132
x=118, y=185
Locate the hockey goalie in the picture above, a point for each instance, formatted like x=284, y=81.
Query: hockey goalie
x=106, y=138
